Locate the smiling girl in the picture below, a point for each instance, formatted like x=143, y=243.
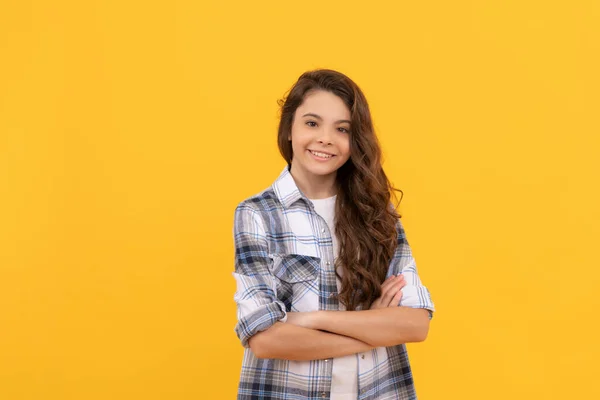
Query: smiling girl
x=327, y=288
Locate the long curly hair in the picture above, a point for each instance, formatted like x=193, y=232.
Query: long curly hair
x=365, y=219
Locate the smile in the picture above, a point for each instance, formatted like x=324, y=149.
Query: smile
x=321, y=155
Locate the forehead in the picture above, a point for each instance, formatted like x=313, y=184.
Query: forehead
x=325, y=104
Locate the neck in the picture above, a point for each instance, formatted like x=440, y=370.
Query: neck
x=314, y=186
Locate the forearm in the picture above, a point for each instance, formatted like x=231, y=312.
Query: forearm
x=290, y=342
x=379, y=327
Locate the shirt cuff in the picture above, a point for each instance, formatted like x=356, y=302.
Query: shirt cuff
x=260, y=320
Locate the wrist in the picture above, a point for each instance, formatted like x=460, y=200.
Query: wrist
x=317, y=320
x=323, y=320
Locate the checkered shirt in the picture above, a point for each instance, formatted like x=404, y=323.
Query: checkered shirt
x=284, y=262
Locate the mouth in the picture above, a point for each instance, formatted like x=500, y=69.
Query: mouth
x=321, y=155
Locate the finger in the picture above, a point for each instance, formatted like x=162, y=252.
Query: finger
x=376, y=304
x=390, y=292
x=395, y=290
x=387, y=298
x=402, y=282
x=388, y=282
x=399, y=281
x=396, y=300
x=392, y=280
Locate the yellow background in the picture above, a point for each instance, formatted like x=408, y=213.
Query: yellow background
x=130, y=130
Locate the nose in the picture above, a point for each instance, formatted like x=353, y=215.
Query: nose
x=325, y=137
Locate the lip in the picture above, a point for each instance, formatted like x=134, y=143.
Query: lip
x=319, y=159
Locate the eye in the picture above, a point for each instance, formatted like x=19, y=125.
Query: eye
x=311, y=123
x=343, y=130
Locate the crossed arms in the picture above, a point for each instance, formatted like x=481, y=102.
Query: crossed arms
x=265, y=327
x=327, y=334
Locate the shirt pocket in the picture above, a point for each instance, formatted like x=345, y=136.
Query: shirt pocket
x=295, y=268
x=298, y=283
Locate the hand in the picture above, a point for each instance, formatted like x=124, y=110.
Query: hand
x=391, y=293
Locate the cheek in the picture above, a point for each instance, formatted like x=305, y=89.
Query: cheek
x=345, y=148
x=299, y=138
x=296, y=147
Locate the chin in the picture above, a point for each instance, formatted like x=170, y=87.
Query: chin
x=322, y=171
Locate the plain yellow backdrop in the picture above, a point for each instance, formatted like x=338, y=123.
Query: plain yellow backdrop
x=129, y=131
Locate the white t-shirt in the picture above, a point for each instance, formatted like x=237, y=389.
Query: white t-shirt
x=344, y=377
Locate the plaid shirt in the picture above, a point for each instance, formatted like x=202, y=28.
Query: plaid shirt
x=284, y=262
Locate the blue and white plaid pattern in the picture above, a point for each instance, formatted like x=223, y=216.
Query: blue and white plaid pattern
x=284, y=262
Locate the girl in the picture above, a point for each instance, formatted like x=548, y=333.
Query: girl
x=327, y=288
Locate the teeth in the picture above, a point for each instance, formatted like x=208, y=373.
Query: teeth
x=323, y=155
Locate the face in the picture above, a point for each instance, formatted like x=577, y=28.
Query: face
x=320, y=135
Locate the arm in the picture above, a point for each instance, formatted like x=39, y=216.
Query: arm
x=379, y=327
x=385, y=324
x=291, y=342
x=260, y=312
x=400, y=315
x=256, y=296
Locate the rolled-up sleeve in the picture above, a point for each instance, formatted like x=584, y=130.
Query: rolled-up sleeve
x=414, y=294
x=256, y=295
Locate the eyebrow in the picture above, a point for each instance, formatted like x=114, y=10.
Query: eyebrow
x=321, y=118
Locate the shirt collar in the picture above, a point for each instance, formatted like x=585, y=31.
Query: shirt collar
x=286, y=189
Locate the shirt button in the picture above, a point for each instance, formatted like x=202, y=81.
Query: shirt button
x=324, y=395
x=332, y=295
x=327, y=263
x=323, y=230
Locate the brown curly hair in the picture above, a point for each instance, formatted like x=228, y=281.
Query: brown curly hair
x=365, y=222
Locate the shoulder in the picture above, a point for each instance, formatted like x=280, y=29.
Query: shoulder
x=263, y=202
x=258, y=212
